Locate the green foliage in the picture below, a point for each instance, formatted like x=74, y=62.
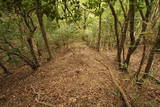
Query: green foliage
x=140, y=4
x=124, y=65
x=117, y=93
x=51, y=12
x=14, y=50
x=8, y=29
x=75, y=9
x=26, y=3
x=96, y=5
x=64, y=36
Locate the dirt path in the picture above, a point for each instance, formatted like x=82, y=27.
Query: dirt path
x=75, y=79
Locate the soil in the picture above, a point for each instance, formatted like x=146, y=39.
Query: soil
x=74, y=78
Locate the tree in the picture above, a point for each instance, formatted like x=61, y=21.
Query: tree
x=41, y=24
x=155, y=46
x=134, y=44
x=116, y=32
x=100, y=26
x=132, y=37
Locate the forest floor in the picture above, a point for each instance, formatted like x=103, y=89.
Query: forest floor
x=75, y=78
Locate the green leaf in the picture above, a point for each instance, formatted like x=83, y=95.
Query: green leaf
x=14, y=50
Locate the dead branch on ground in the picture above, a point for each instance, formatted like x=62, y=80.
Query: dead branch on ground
x=123, y=94
x=37, y=99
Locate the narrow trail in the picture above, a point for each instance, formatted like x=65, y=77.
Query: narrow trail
x=75, y=79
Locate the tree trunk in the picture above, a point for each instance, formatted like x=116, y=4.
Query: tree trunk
x=149, y=63
x=124, y=33
x=85, y=20
x=134, y=44
x=151, y=55
x=41, y=24
x=142, y=60
x=132, y=38
x=30, y=43
x=124, y=30
x=116, y=32
x=99, y=33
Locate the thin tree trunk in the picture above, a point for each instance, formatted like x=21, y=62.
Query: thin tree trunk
x=30, y=43
x=31, y=27
x=41, y=24
x=124, y=33
x=65, y=11
x=84, y=25
x=151, y=55
x=116, y=32
x=132, y=38
x=135, y=44
x=100, y=27
x=123, y=9
x=142, y=60
x=149, y=63
x=124, y=30
x=38, y=50
x=85, y=20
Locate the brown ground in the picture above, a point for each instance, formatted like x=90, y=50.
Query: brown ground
x=74, y=79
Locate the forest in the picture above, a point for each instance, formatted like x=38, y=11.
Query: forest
x=79, y=53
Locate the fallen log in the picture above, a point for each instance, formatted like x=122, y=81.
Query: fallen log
x=124, y=96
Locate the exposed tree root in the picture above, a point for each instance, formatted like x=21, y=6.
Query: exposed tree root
x=141, y=81
x=154, y=79
x=38, y=97
x=124, y=96
x=45, y=103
